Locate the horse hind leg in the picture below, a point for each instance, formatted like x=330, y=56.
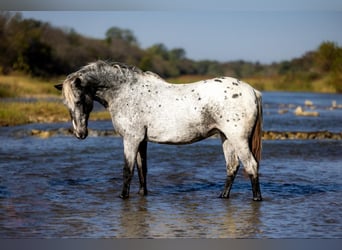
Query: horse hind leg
x=251, y=167
x=232, y=166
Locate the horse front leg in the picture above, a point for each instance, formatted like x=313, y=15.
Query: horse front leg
x=130, y=154
x=232, y=169
x=142, y=167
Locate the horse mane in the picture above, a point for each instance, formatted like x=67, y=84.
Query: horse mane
x=122, y=69
x=125, y=68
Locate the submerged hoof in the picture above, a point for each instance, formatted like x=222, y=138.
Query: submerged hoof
x=257, y=198
x=223, y=196
x=142, y=192
x=124, y=196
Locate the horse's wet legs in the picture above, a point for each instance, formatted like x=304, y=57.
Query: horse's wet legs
x=255, y=188
x=142, y=167
x=232, y=165
x=251, y=166
x=228, y=185
x=130, y=151
x=128, y=171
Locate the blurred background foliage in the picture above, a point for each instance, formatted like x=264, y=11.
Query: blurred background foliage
x=39, y=49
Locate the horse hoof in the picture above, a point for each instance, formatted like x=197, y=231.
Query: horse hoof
x=124, y=196
x=142, y=192
x=257, y=199
x=223, y=196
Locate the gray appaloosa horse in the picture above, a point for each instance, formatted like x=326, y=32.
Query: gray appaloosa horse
x=145, y=108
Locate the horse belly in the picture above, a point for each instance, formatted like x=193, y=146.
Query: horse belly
x=177, y=132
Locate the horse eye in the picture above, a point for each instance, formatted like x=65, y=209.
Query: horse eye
x=78, y=82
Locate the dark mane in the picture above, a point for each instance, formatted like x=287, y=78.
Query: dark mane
x=115, y=73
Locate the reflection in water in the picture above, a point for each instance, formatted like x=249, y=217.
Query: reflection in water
x=135, y=219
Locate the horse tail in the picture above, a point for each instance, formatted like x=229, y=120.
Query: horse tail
x=255, y=140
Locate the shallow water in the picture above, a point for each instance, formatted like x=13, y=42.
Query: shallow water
x=63, y=187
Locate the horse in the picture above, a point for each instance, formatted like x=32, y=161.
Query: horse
x=146, y=108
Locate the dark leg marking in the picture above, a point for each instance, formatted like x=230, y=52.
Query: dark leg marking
x=255, y=188
x=228, y=186
x=142, y=167
x=127, y=177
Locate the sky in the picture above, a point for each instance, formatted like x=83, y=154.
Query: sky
x=254, y=33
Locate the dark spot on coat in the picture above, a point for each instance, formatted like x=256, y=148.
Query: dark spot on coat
x=217, y=80
x=159, y=105
x=235, y=95
x=192, y=90
x=235, y=83
x=199, y=98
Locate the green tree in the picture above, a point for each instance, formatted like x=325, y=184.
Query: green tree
x=177, y=54
x=328, y=57
x=158, y=49
x=126, y=35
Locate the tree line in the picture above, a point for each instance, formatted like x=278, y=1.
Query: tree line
x=40, y=49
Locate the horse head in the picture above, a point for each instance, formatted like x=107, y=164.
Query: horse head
x=78, y=98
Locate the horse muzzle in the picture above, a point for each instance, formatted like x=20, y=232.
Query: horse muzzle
x=80, y=133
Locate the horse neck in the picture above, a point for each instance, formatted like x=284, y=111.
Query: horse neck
x=109, y=85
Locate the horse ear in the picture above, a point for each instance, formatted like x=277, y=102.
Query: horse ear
x=59, y=86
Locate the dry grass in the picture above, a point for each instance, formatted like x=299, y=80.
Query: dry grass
x=25, y=86
x=18, y=113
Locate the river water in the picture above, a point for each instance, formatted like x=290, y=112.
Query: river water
x=61, y=187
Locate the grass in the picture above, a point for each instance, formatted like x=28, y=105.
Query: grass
x=19, y=85
x=18, y=113
x=292, y=84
